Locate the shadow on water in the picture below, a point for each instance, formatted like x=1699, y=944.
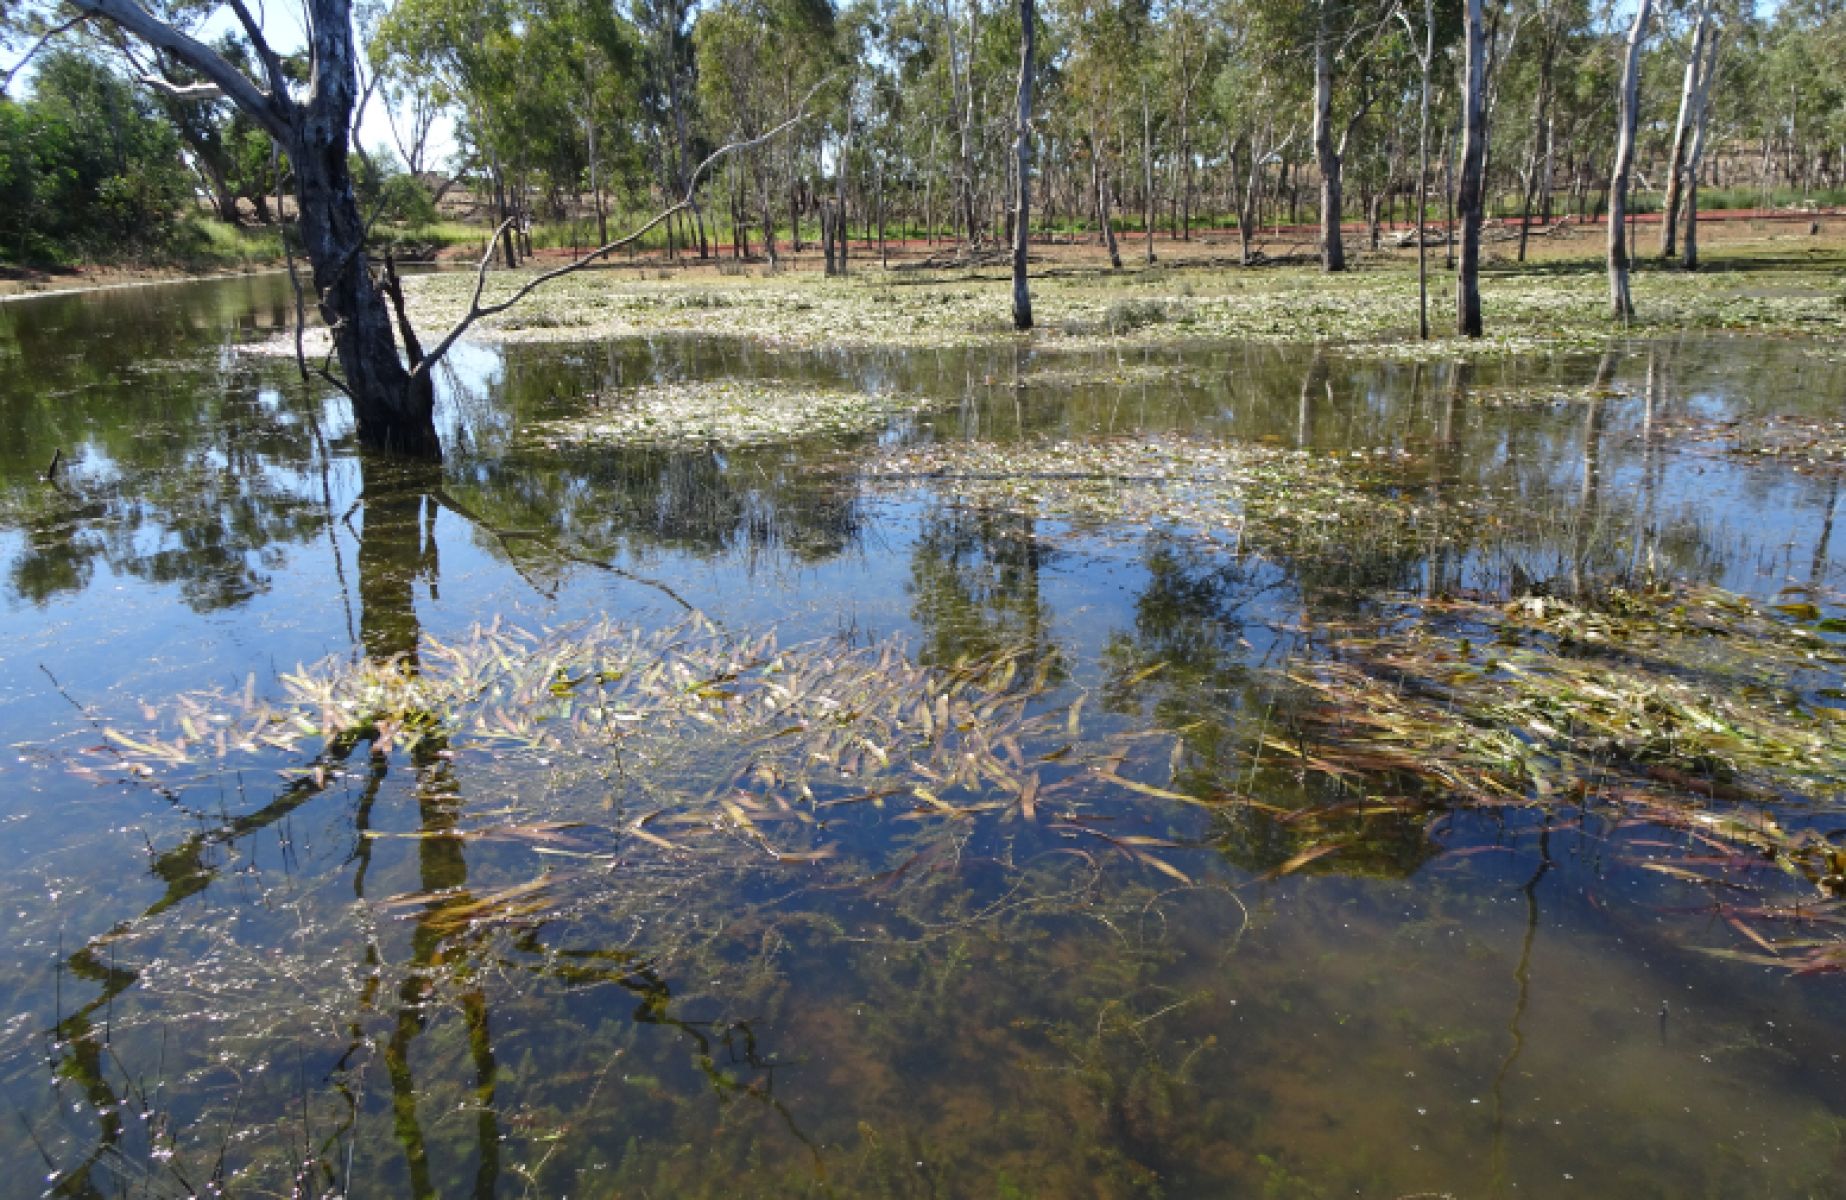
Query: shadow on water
x=319, y=975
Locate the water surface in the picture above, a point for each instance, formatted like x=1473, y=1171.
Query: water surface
x=209, y=986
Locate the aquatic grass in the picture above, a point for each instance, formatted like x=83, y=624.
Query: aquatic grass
x=728, y=413
x=1687, y=708
x=694, y=737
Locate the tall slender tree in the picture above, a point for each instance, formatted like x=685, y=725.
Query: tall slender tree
x=1683, y=127
x=1022, y=207
x=1471, y=186
x=1621, y=303
x=393, y=408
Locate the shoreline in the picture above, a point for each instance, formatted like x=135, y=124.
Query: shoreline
x=36, y=285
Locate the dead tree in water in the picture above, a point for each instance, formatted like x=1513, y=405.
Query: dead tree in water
x=393, y=401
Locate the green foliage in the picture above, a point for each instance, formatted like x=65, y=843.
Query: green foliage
x=398, y=196
x=87, y=167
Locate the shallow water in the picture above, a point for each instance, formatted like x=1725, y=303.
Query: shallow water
x=210, y=986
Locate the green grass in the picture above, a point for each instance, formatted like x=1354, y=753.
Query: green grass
x=201, y=244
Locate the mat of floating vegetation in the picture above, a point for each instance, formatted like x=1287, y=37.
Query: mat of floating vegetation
x=1106, y=375
x=728, y=412
x=1686, y=709
x=1241, y=495
x=1528, y=313
x=1807, y=445
x=1542, y=395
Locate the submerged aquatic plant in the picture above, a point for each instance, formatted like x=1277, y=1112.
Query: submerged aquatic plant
x=1686, y=708
x=687, y=740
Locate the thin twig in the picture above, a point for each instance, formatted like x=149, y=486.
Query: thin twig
x=54, y=31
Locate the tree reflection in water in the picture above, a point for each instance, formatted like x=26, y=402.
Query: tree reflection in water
x=395, y=524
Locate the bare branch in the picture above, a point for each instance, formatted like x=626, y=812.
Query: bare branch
x=272, y=64
x=173, y=91
x=365, y=97
x=7, y=82
x=475, y=308
x=273, y=113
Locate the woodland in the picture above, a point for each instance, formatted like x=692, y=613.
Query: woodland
x=748, y=129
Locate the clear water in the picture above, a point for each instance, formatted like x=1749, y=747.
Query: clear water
x=204, y=991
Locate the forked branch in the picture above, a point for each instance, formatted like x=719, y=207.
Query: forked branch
x=272, y=62
x=477, y=310
x=273, y=112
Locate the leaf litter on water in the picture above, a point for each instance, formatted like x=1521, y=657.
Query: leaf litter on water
x=1686, y=708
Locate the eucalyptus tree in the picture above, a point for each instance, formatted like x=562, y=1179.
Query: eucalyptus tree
x=1330, y=43
x=760, y=61
x=1553, y=19
x=1338, y=24
x=1189, y=47
x=1472, y=186
x=1022, y=209
x=1800, y=97
x=1256, y=106
x=207, y=127
x=462, y=50
x=1106, y=38
x=1691, y=96
x=669, y=91
x=910, y=58
x=1705, y=73
x=385, y=370
x=960, y=59
x=393, y=406
x=1621, y=304
x=1423, y=48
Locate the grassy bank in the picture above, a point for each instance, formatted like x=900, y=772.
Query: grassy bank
x=197, y=248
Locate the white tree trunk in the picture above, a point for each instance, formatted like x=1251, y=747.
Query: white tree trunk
x=1621, y=304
